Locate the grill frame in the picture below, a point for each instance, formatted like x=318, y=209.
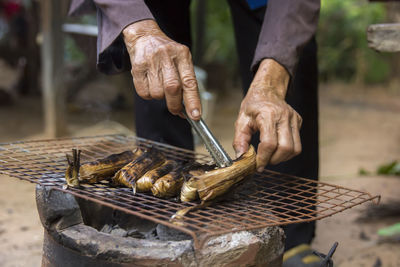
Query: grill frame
x=266, y=199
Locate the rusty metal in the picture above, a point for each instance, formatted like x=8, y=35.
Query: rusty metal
x=267, y=199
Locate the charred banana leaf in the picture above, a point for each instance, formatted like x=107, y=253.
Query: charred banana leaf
x=211, y=184
x=188, y=191
x=130, y=173
x=146, y=182
x=72, y=172
x=169, y=185
x=92, y=172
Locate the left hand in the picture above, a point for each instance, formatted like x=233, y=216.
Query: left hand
x=264, y=109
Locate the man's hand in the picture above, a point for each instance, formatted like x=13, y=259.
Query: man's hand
x=162, y=68
x=264, y=109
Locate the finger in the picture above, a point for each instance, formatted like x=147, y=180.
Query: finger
x=268, y=141
x=285, y=147
x=187, y=76
x=141, y=84
x=180, y=114
x=242, y=138
x=295, y=125
x=172, y=87
x=155, y=78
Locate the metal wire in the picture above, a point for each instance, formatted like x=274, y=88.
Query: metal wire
x=266, y=199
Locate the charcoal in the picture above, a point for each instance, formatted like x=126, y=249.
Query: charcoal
x=166, y=233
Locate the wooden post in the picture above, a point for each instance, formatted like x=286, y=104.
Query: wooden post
x=52, y=68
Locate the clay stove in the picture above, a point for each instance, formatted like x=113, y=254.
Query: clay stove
x=81, y=233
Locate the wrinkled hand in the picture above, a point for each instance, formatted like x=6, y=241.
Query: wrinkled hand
x=264, y=109
x=162, y=68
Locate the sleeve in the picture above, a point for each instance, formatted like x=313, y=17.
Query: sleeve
x=112, y=17
x=288, y=26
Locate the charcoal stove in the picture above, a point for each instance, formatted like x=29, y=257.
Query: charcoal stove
x=268, y=199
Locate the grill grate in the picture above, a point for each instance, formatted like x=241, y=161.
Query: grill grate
x=266, y=199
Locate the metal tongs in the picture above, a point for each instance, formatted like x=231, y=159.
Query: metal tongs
x=215, y=149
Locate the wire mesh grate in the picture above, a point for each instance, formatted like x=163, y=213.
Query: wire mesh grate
x=266, y=199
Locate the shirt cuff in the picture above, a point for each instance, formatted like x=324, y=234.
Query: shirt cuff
x=285, y=55
x=112, y=19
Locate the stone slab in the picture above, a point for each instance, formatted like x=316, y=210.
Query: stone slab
x=57, y=210
x=384, y=37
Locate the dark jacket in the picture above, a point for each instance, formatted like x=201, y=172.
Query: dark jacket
x=288, y=25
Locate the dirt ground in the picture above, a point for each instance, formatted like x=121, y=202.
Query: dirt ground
x=359, y=128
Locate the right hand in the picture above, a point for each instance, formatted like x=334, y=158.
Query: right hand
x=162, y=68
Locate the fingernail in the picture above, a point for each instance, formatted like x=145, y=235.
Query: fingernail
x=195, y=113
x=260, y=169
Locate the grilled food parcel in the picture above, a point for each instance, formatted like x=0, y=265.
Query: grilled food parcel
x=150, y=171
x=95, y=171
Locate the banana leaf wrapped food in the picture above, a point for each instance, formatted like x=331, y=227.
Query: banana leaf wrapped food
x=107, y=167
x=188, y=192
x=72, y=171
x=95, y=171
x=133, y=171
x=170, y=184
x=146, y=182
x=207, y=185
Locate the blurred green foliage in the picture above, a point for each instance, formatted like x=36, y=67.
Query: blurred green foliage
x=72, y=53
x=219, y=41
x=392, y=168
x=343, y=51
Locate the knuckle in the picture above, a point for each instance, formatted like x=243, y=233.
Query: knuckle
x=300, y=120
x=273, y=112
x=261, y=119
x=138, y=65
x=239, y=126
x=286, y=149
x=184, y=49
x=189, y=82
x=236, y=142
x=172, y=87
x=270, y=146
x=160, y=48
x=286, y=112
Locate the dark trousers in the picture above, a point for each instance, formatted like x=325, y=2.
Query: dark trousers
x=153, y=121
